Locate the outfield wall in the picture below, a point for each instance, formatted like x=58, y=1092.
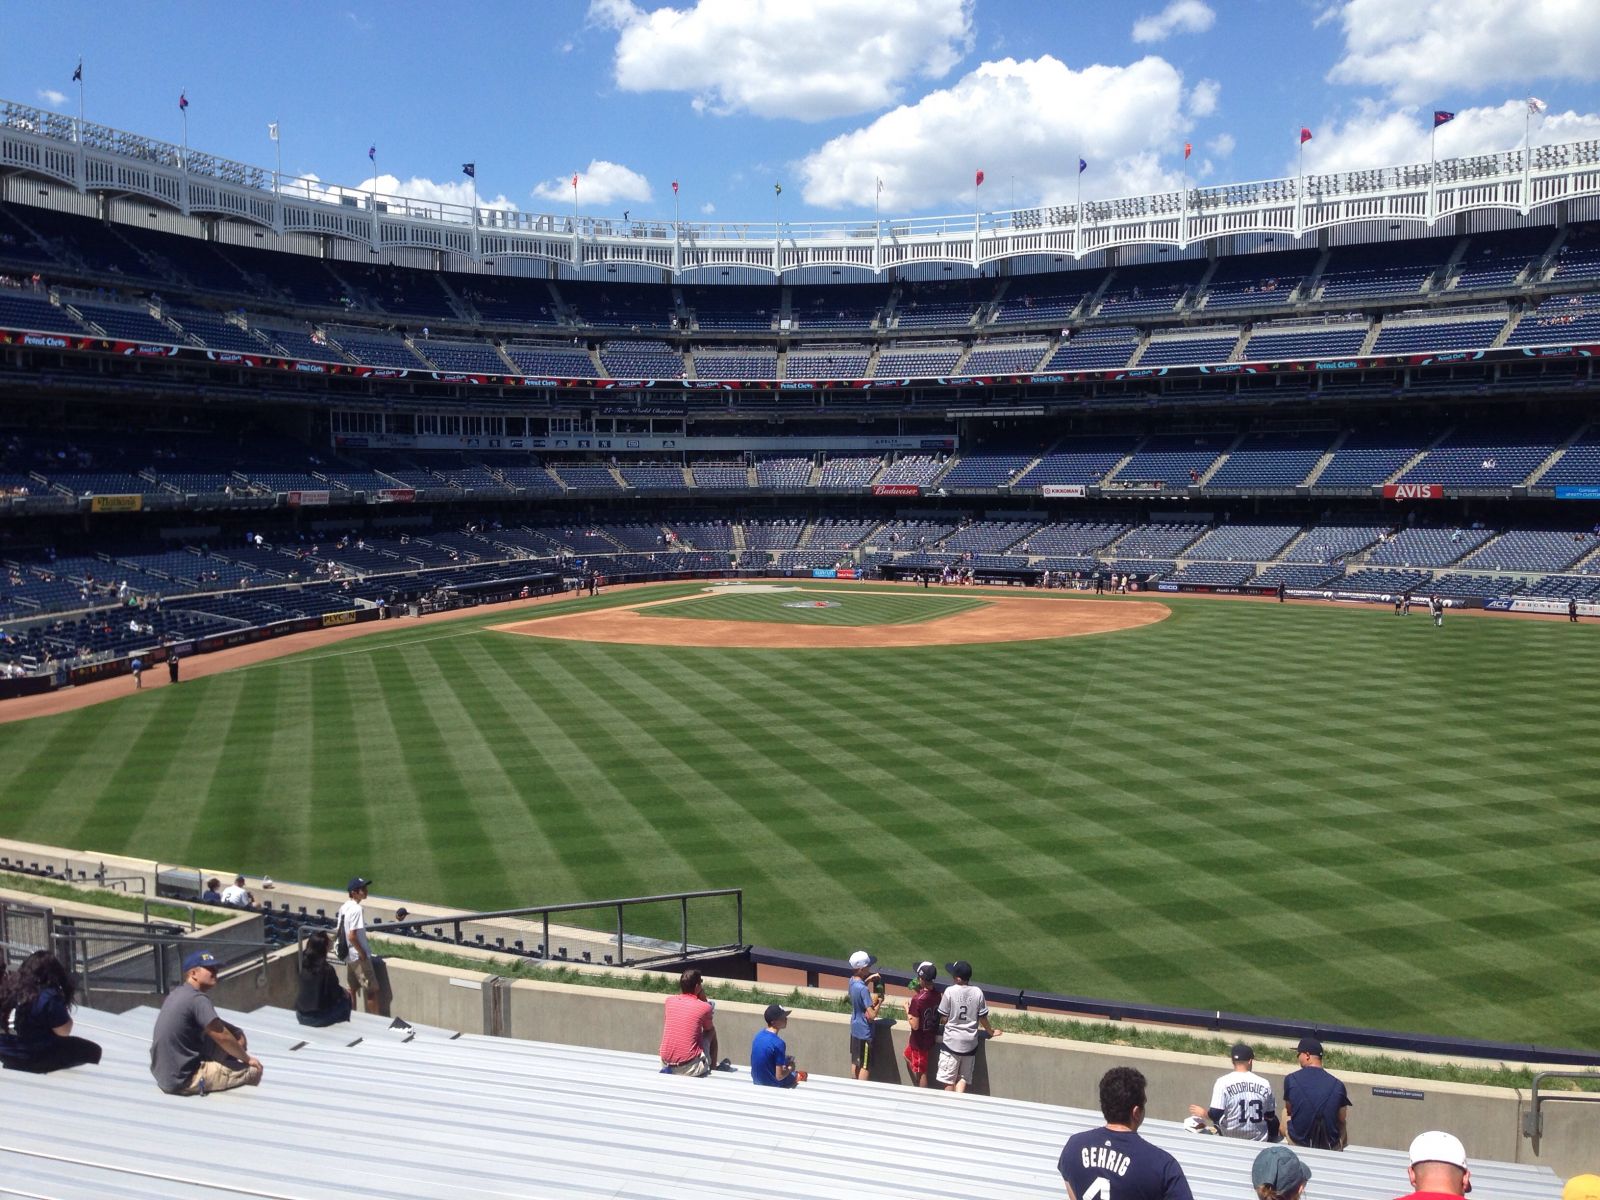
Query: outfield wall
x=1386, y=1111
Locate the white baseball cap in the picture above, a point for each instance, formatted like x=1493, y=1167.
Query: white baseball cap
x=1437, y=1146
x=861, y=959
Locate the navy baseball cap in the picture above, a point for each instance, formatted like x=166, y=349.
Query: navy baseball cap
x=1309, y=1045
x=927, y=971
x=356, y=884
x=775, y=1012
x=960, y=969
x=199, y=958
x=1243, y=1053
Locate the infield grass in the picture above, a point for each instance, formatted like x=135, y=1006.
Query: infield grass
x=1329, y=814
x=856, y=608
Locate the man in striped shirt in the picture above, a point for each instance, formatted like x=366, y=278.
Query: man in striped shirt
x=688, y=1036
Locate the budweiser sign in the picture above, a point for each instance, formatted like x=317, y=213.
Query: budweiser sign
x=896, y=489
x=1413, y=491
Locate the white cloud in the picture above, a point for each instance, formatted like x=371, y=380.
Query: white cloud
x=811, y=61
x=599, y=184
x=1421, y=52
x=708, y=208
x=1381, y=137
x=1203, y=98
x=418, y=187
x=1126, y=120
x=1181, y=16
x=52, y=97
x=1222, y=145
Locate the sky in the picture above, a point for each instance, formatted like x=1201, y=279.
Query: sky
x=825, y=98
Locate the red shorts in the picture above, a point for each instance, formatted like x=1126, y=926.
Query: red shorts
x=917, y=1060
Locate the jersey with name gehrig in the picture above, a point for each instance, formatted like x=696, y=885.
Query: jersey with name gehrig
x=1246, y=1102
x=1108, y=1164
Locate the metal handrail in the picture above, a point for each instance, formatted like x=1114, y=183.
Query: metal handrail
x=77, y=953
x=543, y=911
x=1533, y=1119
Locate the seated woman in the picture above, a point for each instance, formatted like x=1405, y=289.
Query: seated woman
x=38, y=1000
x=322, y=1001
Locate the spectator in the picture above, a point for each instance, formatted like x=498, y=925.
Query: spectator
x=865, y=1001
x=1316, y=1107
x=688, y=1034
x=922, y=1014
x=1278, y=1174
x=1115, y=1160
x=1241, y=1101
x=321, y=1000
x=1438, y=1166
x=356, y=953
x=212, y=895
x=963, y=1011
x=137, y=667
x=38, y=1000
x=770, y=1064
x=193, y=1051
x=237, y=895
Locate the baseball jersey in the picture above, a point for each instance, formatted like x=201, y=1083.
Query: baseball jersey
x=1105, y=1164
x=1246, y=1102
x=961, y=1006
x=925, y=1007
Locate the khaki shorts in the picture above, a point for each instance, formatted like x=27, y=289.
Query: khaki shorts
x=956, y=1066
x=694, y=1068
x=359, y=973
x=214, y=1076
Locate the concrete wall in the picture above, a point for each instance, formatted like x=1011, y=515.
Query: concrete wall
x=1018, y=1066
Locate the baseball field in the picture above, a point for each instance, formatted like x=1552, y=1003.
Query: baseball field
x=1300, y=811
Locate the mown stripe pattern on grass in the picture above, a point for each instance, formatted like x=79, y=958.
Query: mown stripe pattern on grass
x=1318, y=813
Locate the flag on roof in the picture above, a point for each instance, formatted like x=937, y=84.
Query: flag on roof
x=777, y=189
x=1536, y=105
x=574, y=181
x=372, y=152
x=470, y=170
x=272, y=130
x=674, y=187
x=183, y=101
x=980, y=180
x=1440, y=117
x=77, y=76
x=1188, y=149
x=1082, y=166
x=880, y=185
x=1305, y=135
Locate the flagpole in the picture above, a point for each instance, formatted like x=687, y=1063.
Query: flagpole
x=1300, y=183
x=79, y=76
x=1433, y=185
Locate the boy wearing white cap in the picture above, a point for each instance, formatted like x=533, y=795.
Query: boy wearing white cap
x=1438, y=1167
x=864, y=1004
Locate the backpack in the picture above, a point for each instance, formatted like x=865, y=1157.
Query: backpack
x=1321, y=1136
x=341, y=947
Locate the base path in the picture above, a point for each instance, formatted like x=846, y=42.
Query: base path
x=1003, y=619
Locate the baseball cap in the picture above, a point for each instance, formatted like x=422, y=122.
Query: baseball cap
x=927, y=971
x=1309, y=1045
x=199, y=958
x=1279, y=1168
x=960, y=969
x=774, y=1012
x=861, y=959
x=1242, y=1052
x=1437, y=1146
x=357, y=883
x=1582, y=1187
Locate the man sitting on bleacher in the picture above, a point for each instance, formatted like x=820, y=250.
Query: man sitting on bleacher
x=1438, y=1167
x=193, y=1051
x=688, y=1036
x=1115, y=1161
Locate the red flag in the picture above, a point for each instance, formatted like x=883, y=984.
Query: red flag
x=674, y=187
x=183, y=101
x=1187, y=150
x=1305, y=135
x=1440, y=117
x=980, y=179
x=574, y=181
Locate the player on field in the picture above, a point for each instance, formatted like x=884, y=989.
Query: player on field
x=1242, y=1104
x=1436, y=606
x=1115, y=1163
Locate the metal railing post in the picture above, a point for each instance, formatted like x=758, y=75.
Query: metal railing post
x=545, y=945
x=622, y=960
x=683, y=902
x=738, y=901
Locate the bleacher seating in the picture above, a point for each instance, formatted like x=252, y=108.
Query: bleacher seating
x=835, y=362
x=1579, y=463
x=1474, y=333
x=751, y=309
x=1498, y=261
x=848, y=472
x=1220, y=574
x=1557, y=321
x=913, y=468
x=1257, y=280
x=920, y=362
x=1174, y=459
x=1421, y=547
x=1019, y=359
x=980, y=470
x=1297, y=575
x=560, y=362
x=749, y=363
x=720, y=475
x=1157, y=540
x=1074, y=538
x=782, y=472
x=1295, y=340
x=1271, y=460
x=130, y=322
x=641, y=360
x=586, y=476
x=466, y=357
x=1330, y=543
x=1532, y=550
x=657, y=476
x=1250, y=543
x=1371, y=456
x=1380, y=269
x=1031, y=301
x=1170, y=351
x=1488, y=455
x=1096, y=349
x=1077, y=460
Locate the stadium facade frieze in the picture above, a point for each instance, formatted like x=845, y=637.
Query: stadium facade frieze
x=92, y=158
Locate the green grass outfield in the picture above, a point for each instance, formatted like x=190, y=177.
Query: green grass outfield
x=1315, y=812
x=863, y=608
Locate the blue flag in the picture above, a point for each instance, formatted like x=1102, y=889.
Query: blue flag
x=470, y=170
x=1440, y=117
x=1082, y=166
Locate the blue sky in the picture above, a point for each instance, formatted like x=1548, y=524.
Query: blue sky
x=826, y=96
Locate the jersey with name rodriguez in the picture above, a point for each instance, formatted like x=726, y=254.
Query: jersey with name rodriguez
x=1106, y=1164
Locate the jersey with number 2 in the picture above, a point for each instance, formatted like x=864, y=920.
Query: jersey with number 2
x=1105, y=1164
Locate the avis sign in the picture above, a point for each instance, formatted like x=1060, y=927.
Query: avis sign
x=1413, y=491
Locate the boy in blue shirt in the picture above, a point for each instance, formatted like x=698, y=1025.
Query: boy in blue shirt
x=770, y=1064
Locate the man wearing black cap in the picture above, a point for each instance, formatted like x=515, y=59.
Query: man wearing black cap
x=922, y=1015
x=964, y=1011
x=1315, y=1105
x=361, y=976
x=1241, y=1101
x=192, y=1050
x=770, y=1064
